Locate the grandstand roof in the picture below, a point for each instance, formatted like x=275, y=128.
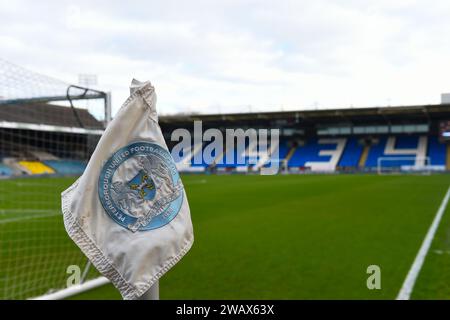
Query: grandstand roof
x=49, y=114
x=375, y=115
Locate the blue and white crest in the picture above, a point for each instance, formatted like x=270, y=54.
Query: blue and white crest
x=143, y=185
x=140, y=188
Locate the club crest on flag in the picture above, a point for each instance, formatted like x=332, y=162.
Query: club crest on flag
x=140, y=188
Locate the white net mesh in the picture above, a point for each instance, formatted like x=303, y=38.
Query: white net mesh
x=17, y=83
x=43, y=149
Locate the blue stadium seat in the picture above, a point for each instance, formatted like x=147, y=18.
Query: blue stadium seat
x=67, y=167
x=436, y=151
x=406, y=142
x=402, y=142
x=5, y=170
x=233, y=163
x=283, y=151
x=310, y=152
x=352, y=153
x=203, y=164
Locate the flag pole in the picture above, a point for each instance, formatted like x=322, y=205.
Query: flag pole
x=152, y=293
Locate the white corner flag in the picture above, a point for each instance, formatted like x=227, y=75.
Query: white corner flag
x=128, y=212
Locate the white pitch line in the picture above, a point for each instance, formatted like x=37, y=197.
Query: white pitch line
x=16, y=219
x=408, y=284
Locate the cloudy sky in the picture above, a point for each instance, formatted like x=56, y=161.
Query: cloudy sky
x=231, y=56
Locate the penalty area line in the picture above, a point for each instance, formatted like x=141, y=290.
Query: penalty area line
x=408, y=284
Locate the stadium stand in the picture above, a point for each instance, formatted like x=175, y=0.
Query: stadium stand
x=232, y=158
x=336, y=153
x=352, y=154
x=319, y=140
x=66, y=167
x=339, y=140
x=15, y=167
x=186, y=164
x=283, y=154
x=36, y=167
x=312, y=151
x=436, y=151
x=397, y=147
x=42, y=155
x=38, y=138
x=5, y=170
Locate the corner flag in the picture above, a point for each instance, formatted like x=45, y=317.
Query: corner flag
x=128, y=212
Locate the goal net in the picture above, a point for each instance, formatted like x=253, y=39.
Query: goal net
x=398, y=165
x=48, y=130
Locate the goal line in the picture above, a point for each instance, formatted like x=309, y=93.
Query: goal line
x=410, y=281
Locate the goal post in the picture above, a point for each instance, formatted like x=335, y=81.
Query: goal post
x=284, y=168
x=48, y=131
x=399, y=165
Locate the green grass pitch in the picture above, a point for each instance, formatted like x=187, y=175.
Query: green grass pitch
x=290, y=237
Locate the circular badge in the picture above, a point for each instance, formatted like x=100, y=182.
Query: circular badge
x=140, y=188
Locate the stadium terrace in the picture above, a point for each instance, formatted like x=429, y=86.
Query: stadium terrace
x=381, y=139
